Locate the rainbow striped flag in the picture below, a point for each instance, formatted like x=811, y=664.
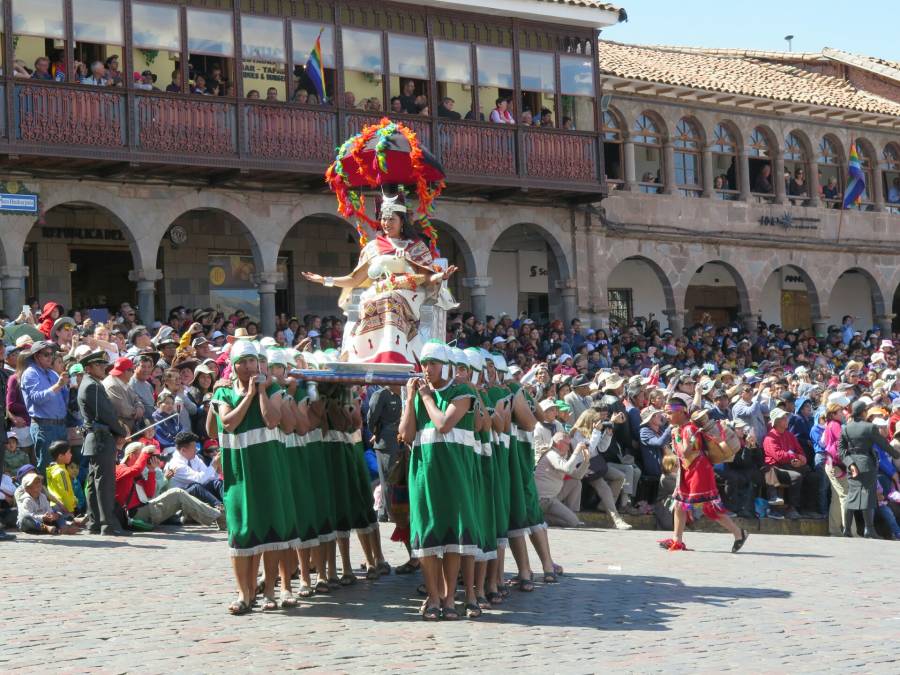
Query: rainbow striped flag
x=315, y=68
x=856, y=180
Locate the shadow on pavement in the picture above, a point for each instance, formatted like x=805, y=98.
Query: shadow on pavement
x=85, y=542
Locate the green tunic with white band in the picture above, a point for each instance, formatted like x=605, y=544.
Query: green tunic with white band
x=502, y=477
x=443, y=516
x=522, y=448
x=302, y=479
x=484, y=486
x=258, y=497
x=319, y=477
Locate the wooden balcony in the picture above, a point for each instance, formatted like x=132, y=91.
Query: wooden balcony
x=203, y=140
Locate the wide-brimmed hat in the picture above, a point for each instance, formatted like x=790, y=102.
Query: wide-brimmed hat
x=239, y=334
x=613, y=382
x=40, y=346
x=648, y=413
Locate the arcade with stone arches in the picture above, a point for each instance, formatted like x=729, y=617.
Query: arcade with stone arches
x=682, y=285
x=98, y=245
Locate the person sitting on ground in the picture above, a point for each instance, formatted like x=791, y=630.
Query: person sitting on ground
x=168, y=426
x=59, y=480
x=36, y=516
x=136, y=487
x=558, y=477
x=187, y=471
x=786, y=459
x=16, y=457
x=8, y=510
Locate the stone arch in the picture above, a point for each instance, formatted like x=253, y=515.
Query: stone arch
x=846, y=300
x=642, y=300
x=621, y=120
x=742, y=306
x=519, y=238
x=659, y=120
x=263, y=257
x=735, y=130
x=697, y=124
x=770, y=309
x=115, y=215
x=446, y=231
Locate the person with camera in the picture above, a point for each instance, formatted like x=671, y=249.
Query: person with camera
x=103, y=428
x=46, y=396
x=185, y=470
x=136, y=487
x=558, y=477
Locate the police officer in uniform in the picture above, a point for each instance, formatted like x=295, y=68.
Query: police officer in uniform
x=101, y=428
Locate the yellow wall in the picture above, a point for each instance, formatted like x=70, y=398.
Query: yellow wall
x=357, y=83
x=162, y=66
x=29, y=48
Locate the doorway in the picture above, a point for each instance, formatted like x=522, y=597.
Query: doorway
x=99, y=278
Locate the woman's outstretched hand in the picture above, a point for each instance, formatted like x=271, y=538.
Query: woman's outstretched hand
x=315, y=278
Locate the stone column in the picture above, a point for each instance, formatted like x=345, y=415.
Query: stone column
x=820, y=326
x=778, y=179
x=478, y=292
x=265, y=285
x=812, y=170
x=750, y=322
x=676, y=321
x=600, y=317
x=876, y=190
x=744, y=175
x=708, y=184
x=630, y=170
x=669, y=169
x=145, y=280
x=886, y=323
x=12, y=283
x=568, y=291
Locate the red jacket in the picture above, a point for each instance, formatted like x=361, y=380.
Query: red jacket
x=781, y=448
x=126, y=476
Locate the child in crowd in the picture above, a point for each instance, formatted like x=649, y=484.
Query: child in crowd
x=59, y=480
x=36, y=516
x=166, y=431
x=662, y=508
x=80, y=498
x=149, y=435
x=16, y=457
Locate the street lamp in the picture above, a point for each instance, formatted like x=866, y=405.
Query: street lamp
x=789, y=39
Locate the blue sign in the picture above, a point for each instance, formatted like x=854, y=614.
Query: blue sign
x=18, y=203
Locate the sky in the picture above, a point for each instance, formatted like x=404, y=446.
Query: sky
x=862, y=26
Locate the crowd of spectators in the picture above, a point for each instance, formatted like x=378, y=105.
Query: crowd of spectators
x=604, y=444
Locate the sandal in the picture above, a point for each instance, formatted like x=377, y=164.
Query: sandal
x=305, y=591
x=288, y=599
x=449, y=613
x=558, y=570
x=494, y=598
x=406, y=568
x=665, y=543
x=473, y=611
x=483, y=602
x=678, y=546
x=525, y=585
x=260, y=586
x=238, y=607
x=431, y=613
x=384, y=567
x=269, y=604
x=322, y=586
x=334, y=583
x=372, y=573
x=347, y=579
x=550, y=578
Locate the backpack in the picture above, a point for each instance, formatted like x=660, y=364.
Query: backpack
x=720, y=441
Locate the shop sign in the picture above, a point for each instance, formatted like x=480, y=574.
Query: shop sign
x=16, y=198
x=82, y=233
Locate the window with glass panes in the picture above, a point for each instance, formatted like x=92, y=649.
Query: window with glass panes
x=537, y=73
x=612, y=148
x=759, y=156
x=39, y=37
x=309, y=89
x=647, y=154
x=621, y=307
x=724, y=159
x=687, y=158
x=890, y=174
x=407, y=55
x=156, y=34
x=795, y=164
x=577, y=95
x=263, y=57
x=363, y=67
x=830, y=167
x=210, y=38
x=453, y=72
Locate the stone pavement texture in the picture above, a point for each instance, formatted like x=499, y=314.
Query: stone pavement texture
x=157, y=603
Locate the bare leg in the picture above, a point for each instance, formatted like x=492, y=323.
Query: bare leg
x=520, y=553
x=305, y=555
x=286, y=566
x=730, y=525
x=243, y=568
x=680, y=517
x=451, y=572
x=432, y=574
x=481, y=569
x=366, y=545
x=541, y=543
x=344, y=546
x=468, y=573
x=375, y=544
x=270, y=569
x=331, y=572
x=491, y=576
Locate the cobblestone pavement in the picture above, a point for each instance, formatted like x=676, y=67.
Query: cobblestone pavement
x=157, y=603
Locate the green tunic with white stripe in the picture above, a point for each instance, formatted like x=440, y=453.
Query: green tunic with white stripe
x=485, y=487
x=303, y=479
x=443, y=517
x=259, y=500
x=320, y=484
x=502, y=473
x=522, y=448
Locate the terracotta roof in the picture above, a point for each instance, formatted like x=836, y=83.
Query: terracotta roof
x=591, y=4
x=739, y=72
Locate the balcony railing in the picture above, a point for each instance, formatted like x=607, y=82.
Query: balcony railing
x=79, y=121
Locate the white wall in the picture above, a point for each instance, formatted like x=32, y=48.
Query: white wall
x=503, y=293
x=713, y=274
x=646, y=290
x=852, y=295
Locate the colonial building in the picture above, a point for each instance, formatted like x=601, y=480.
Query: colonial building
x=155, y=193
x=701, y=218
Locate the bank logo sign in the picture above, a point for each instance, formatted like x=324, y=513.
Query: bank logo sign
x=16, y=198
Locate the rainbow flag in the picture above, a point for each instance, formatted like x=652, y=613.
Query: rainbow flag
x=856, y=180
x=315, y=68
